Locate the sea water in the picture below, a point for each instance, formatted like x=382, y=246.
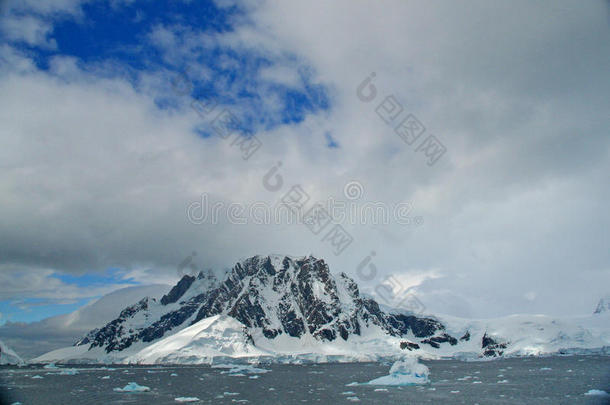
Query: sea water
x=546, y=380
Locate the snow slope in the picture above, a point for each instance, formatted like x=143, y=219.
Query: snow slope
x=8, y=356
x=217, y=336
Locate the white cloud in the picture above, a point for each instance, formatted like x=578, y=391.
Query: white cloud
x=95, y=175
x=31, y=30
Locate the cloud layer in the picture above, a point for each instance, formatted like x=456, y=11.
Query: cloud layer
x=100, y=161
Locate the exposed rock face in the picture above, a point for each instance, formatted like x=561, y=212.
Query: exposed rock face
x=409, y=345
x=271, y=294
x=492, y=347
x=436, y=341
x=178, y=290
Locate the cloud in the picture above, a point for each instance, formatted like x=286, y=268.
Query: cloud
x=96, y=173
x=30, y=30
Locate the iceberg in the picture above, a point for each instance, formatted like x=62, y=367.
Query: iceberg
x=132, y=387
x=404, y=372
x=186, y=399
x=597, y=393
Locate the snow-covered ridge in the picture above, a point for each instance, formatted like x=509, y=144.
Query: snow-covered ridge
x=284, y=308
x=8, y=356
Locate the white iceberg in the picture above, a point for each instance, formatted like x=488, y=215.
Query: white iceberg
x=404, y=372
x=186, y=399
x=597, y=393
x=132, y=387
x=50, y=366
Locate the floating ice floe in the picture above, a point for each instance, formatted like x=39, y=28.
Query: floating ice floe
x=36, y=377
x=173, y=375
x=50, y=366
x=353, y=399
x=404, y=372
x=240, y=369
x=545, y=368
x=68, y=371
x=186, y=399
x=597, y=393
x=230, y=394
x=132, y=387
x=106, y=377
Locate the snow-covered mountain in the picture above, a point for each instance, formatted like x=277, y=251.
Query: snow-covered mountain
x=287, y=308
x=8, y=356
x=35, y=338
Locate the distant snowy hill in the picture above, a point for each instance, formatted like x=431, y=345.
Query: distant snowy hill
x=33, y=339
x=603, y=306
x=8, y=356
x=293, y=309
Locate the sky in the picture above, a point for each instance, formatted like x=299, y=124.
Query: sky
x=121, y=120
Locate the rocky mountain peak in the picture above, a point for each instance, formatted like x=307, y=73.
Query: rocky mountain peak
x=270, y=295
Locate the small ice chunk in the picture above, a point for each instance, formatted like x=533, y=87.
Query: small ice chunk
x=352, y=384
x=381, y=390
x=545, y=368
x=353, y=399
x=502, y=381
x=50, y=366
x=106, y=377
x=405, y=372
x=69, y=371
x=37, y=377
x=186, y=399
x=348, y=393
x=229, y=394
x=477, y=382
x=173, y=375
x=455, y=392
x=132, y=387
x=597, y=393
x=254, y=377
x=271, y=389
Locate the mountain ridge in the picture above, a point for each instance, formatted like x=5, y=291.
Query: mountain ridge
x=282, y=306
